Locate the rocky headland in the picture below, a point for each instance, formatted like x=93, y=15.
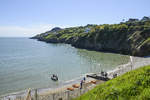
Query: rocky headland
x=131, y=37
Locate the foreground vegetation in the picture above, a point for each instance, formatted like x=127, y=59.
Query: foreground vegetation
x=128, y=37
x=133, y=85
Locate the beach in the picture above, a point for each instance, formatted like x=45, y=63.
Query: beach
x=62, y=92
x=55, y=93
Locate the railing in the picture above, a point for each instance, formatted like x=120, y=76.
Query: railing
x=62, y=95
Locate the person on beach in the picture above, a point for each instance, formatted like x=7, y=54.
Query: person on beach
x=102, y=73
x=81, y=83
x=105, y=74
x=115, y=75
x=84, y=79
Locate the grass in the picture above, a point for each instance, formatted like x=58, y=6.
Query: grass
x=133, y=85
x=50, y=36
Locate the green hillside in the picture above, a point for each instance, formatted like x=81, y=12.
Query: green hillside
x=133, y=85
x=131, y=37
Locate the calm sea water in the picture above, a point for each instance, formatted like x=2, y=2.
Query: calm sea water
x=27, y=63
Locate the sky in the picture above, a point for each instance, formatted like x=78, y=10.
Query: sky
x=26, y=18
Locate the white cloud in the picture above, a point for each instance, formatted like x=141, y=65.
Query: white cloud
x=18, y=31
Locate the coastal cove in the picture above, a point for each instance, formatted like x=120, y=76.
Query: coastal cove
x=27, y=63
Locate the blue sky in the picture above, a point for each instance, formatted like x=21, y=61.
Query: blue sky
x=30, y=17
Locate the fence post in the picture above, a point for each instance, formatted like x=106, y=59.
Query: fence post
x=68, y=96
x=28, y=95
x=131, y=60
x=35, y=95
x=53, y=96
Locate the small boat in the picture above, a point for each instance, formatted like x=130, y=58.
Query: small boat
x=54, y=77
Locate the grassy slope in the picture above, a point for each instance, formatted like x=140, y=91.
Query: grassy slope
x=134, y=85
x=130, y=37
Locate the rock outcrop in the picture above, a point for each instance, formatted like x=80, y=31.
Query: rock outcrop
x=131, y=37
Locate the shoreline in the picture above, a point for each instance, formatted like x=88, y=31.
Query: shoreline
x=43, y=91
x=134, y=62
x=65, y=83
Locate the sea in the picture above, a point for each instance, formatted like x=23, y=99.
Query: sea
x=28, y=63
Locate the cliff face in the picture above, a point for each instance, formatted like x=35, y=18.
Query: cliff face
x=131, y=37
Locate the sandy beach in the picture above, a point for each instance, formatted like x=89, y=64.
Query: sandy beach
x=62, y=92
x=50, y=92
